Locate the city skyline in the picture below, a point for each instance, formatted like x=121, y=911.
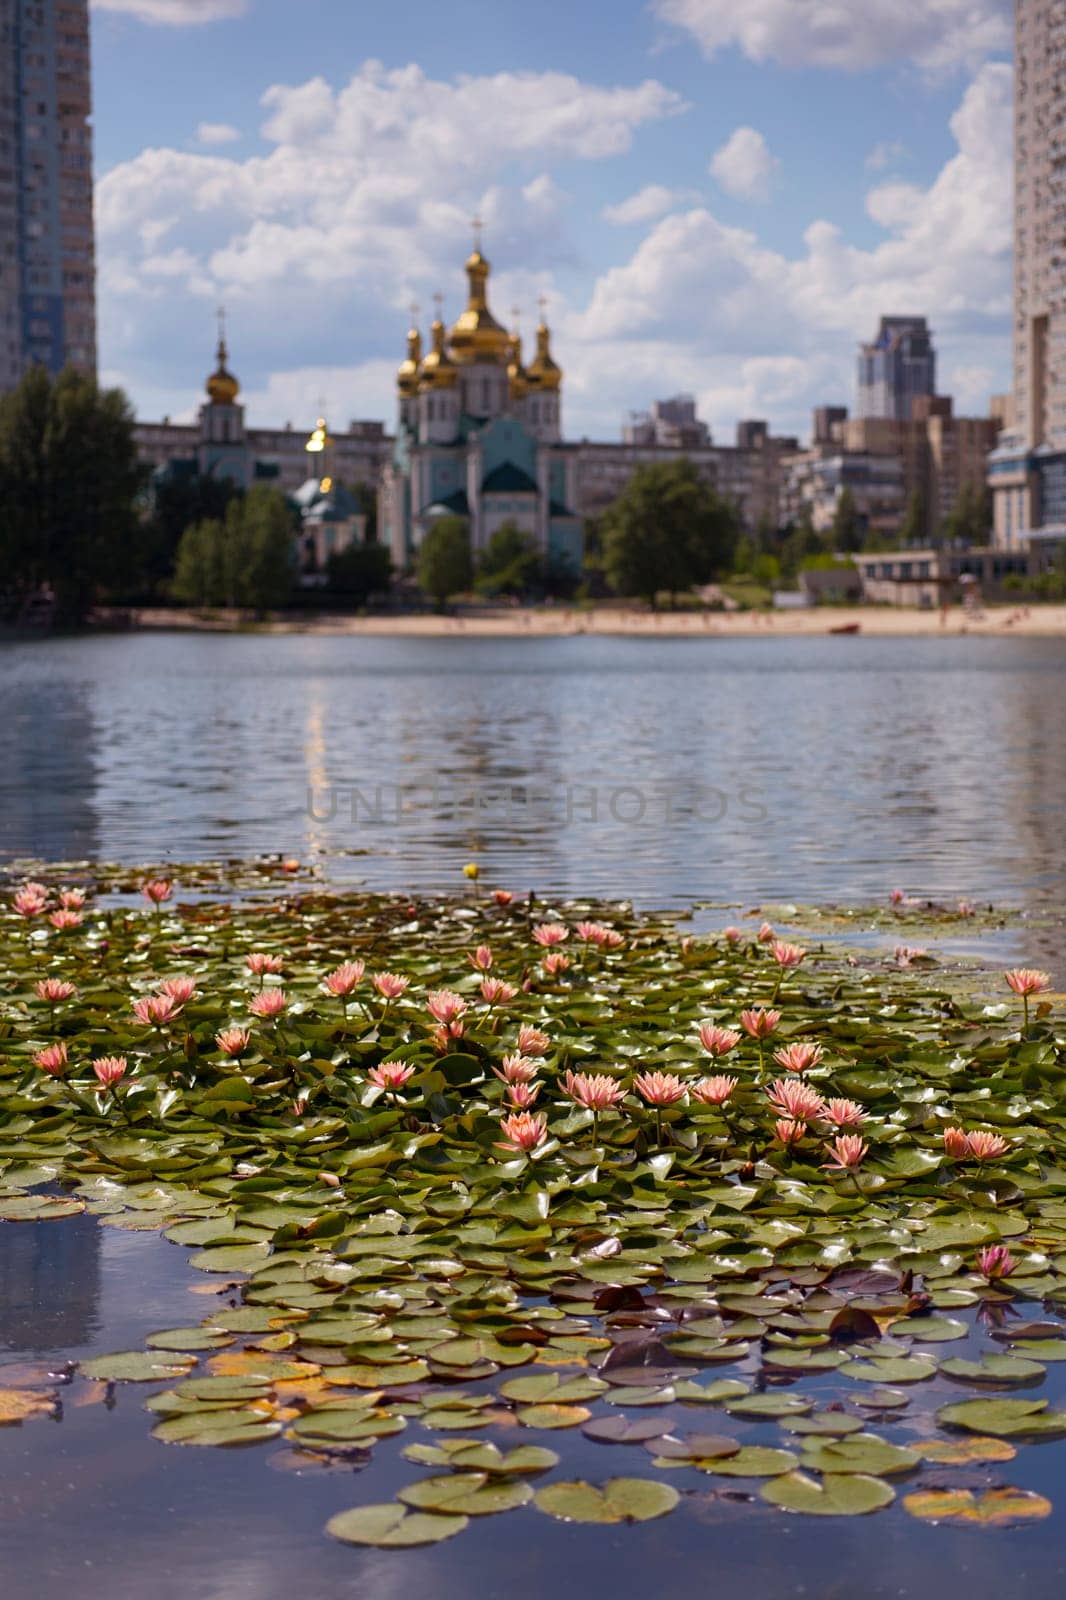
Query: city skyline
x=708, y=207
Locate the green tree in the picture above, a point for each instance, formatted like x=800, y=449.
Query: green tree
x=667, y=530
x=359, y=572
x=175, y=503
x=445, y=564
x=969, y=522
x=199, y=578
x=69, y=481
x=914, y=527
x=247, y=560
x=510, y=562
x=847, y=529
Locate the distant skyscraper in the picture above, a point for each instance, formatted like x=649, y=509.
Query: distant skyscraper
x=1027, y=472
x=47, y=287
x=898, y=366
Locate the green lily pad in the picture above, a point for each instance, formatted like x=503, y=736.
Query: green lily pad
x=835, y=1495
x=618, y=1500
x=136, y=1366
x=1005, y=1418
x=470, y=1494
x=755, y=1461
x=862, y=1452
x=393, y=1526
x=994, y=1369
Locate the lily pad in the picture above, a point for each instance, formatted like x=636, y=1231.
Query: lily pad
x=1005, y=1418
x=618, y=1500
x=136, y=1366
x=393, y=1526
x=835, y=1495
x=471, y=1494
x=862, y=1452
x=987, y=1508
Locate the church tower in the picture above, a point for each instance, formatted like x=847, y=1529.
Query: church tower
x=223, y=450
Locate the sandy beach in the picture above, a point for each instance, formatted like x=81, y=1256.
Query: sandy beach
x=564, y=621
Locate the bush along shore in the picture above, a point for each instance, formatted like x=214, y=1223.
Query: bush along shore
x=475, y=1172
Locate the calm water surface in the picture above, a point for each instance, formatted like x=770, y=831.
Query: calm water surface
x=664, y=771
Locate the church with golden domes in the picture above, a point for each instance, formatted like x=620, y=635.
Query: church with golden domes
x=479, y=436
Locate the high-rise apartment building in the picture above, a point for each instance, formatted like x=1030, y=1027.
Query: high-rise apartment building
x=47, y=276
x=1027, y=472
x=897, y=367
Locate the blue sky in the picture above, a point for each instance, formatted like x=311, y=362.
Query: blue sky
x=713, y=197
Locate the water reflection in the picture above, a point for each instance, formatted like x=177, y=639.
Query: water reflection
x=49, y=1285
x=664, y=769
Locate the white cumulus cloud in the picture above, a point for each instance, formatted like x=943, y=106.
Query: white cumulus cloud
x=654, y=200
x=744, y=325
x=175, y=13
x=216, y=133
x=745, y=166
x=851, y=34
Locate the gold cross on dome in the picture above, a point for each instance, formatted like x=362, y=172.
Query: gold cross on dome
x=477, y=226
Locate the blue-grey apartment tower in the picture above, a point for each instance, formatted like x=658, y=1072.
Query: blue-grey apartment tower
x=47, y=272
x=896, y=368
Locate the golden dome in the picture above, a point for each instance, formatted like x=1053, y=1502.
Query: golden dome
x=477, y=336
x=518, y=377
x=438, y=370
x=543, y=372
x=407, y=376
x=222, y=386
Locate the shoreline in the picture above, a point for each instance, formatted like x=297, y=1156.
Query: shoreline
x=563, y=621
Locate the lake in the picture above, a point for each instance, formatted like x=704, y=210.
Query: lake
x=666, y=771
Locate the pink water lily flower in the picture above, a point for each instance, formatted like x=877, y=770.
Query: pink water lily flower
x=532, y=1041
x=995, y=1261
x=502, y=897
x=898, y=896
x=481, y=958
x=180, y=990
x=717, y=1041
x=495, y=992
x=550, y=933
x=759, y=1022
x=233, y=1042
x=1027, y=980
x=789, y=1133
x=30, y=900
x=659, y=1088
x=591, y=932
x=157, y=890
x=390, y=1075
x=523, y=1131
x=956, y=1144
x=155, y=1010
x=54, y=990
x=766, y=934
x=65, y=919
x=714, y=1091
x=986, y=1146
x=445, y=1006
x=798, y=1057
x=517, y=1069
x=844, y=1114
x=72, y=899
x=389, y=985
x=269, y=1003
x=110, y=1070
x=259, y=963
x=786, y=955
x=343, y=979
x=523, y=1095
x=732, y=935
x=846, y=1152
x=53, y=1059
x=555, y=962
x=595, y=1091
x=796, y=1099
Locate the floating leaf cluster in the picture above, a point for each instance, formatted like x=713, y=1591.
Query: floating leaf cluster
x=472, y=1173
